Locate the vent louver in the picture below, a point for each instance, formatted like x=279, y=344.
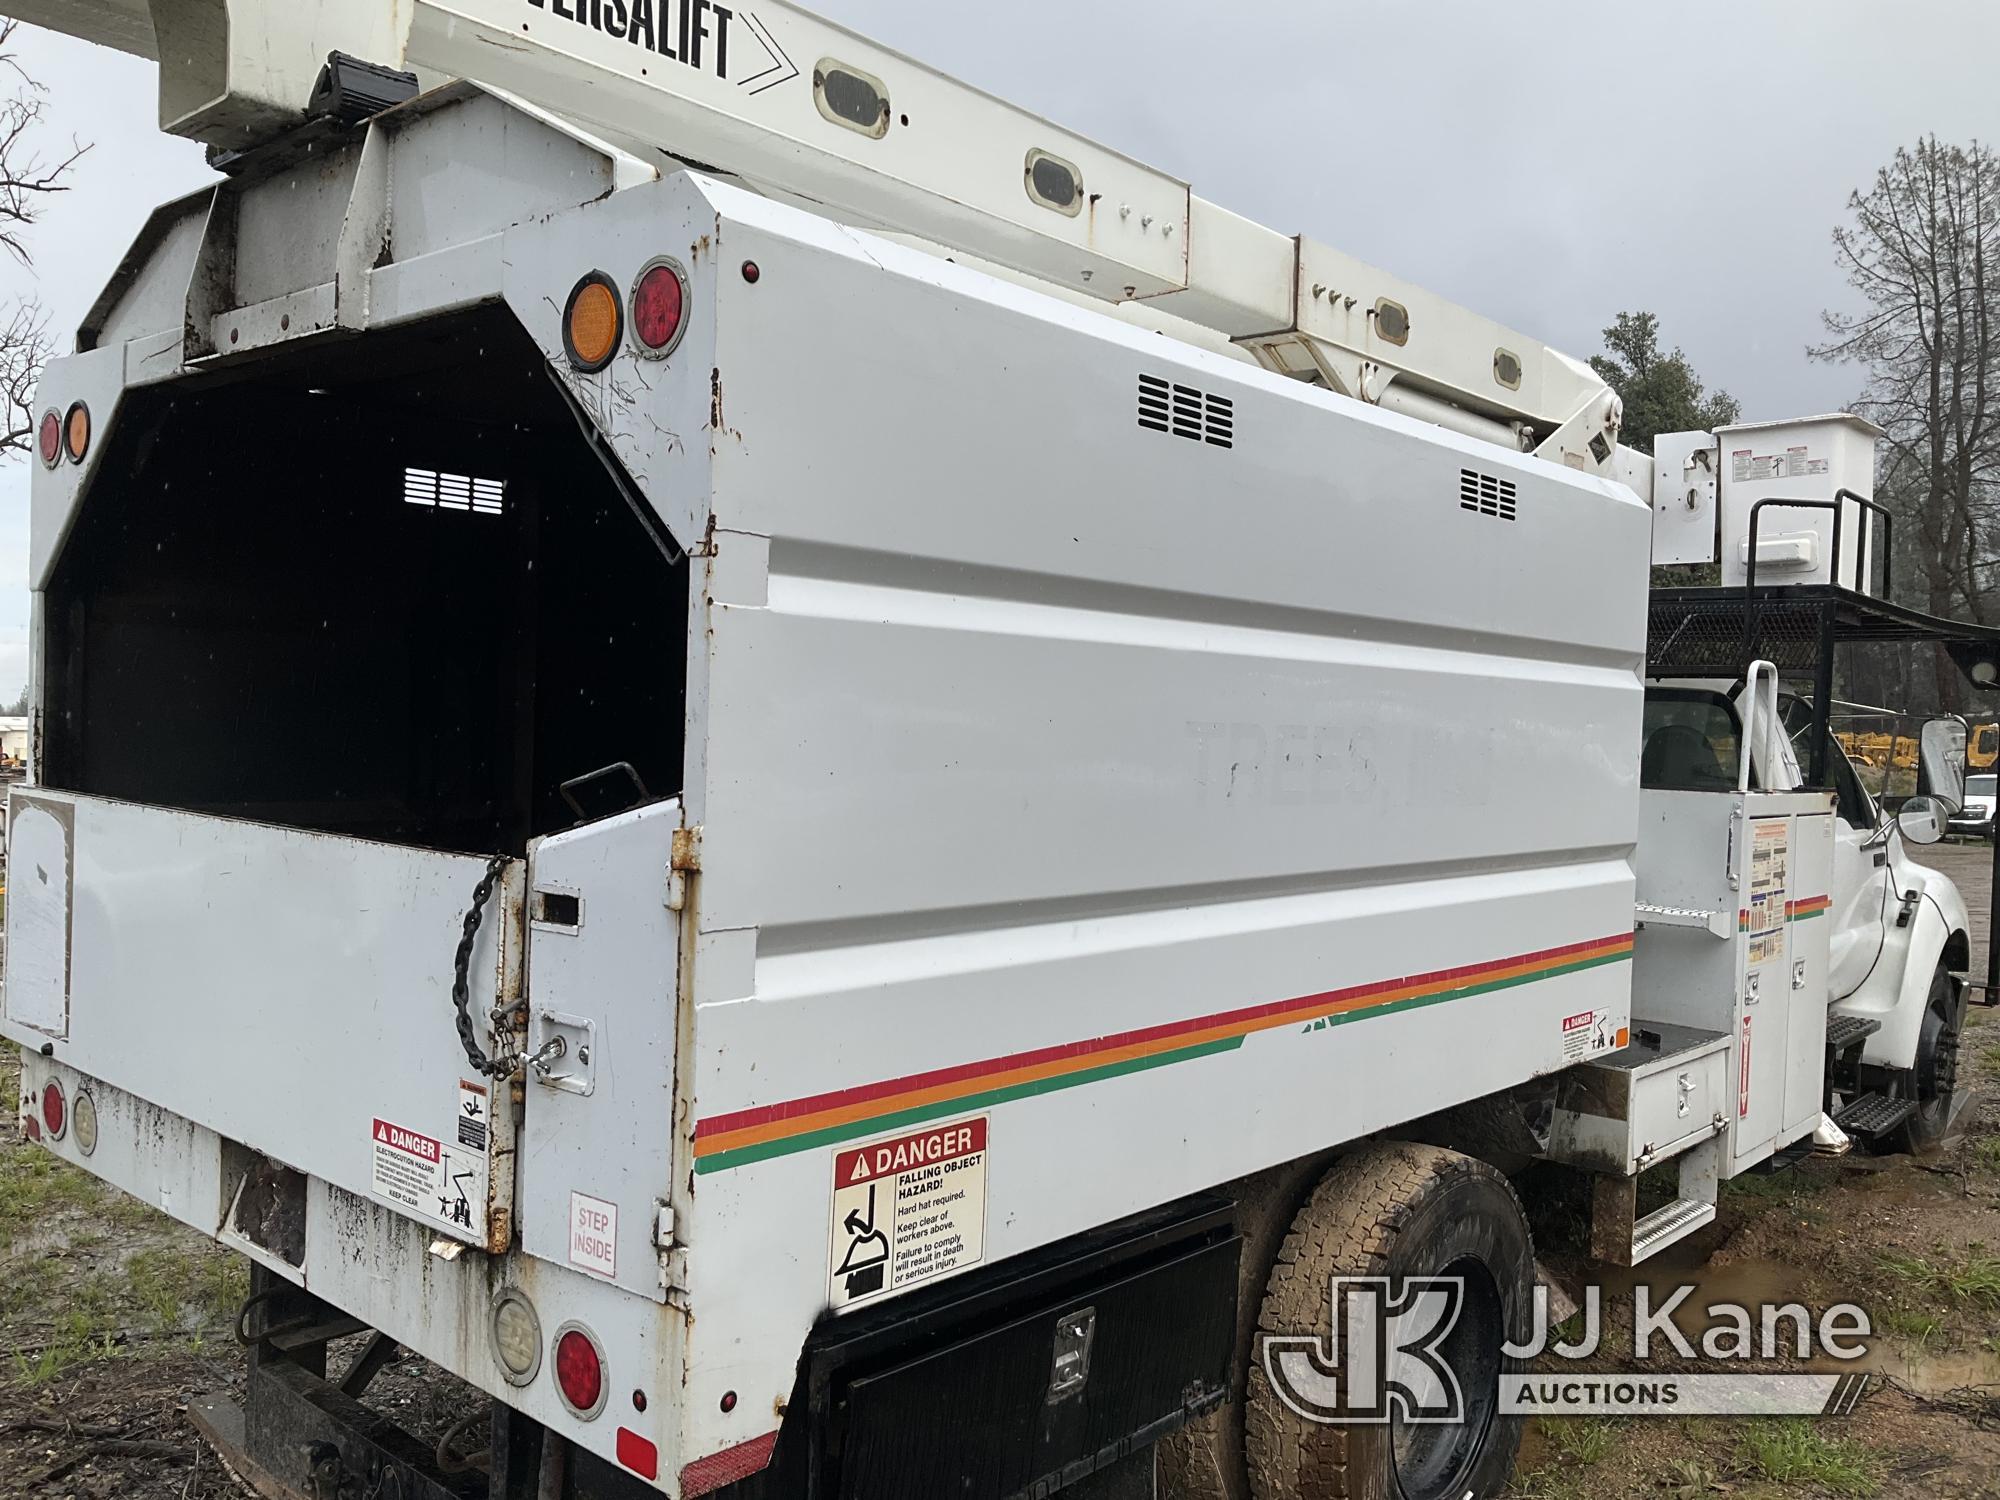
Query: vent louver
x=440, y=491
x=1486, y=494
x=1186, y=412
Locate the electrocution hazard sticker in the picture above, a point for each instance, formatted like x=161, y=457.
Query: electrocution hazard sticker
x=908, y=1210
x=440, y=1183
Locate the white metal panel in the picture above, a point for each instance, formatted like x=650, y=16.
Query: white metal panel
x=1810, y=459
x=96, y=377
x=476, y=168
x=380, y=1265
x=1046, y=731
x=148, y=292
x=39, y=843
x=285, y=989
x=603, y=1125
x=1684, y=497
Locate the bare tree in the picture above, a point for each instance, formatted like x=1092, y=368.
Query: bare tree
x=1920, y=249
x=27, y=178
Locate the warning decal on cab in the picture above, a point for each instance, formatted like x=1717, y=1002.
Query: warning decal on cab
x=907, y=1210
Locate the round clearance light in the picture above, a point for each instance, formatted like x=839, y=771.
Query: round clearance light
x=579, y=1370
x=76, y=432
x=659, y=308
x=517, y=1337
x=50, y=438
x=55, y=1110
x=83, y=1119
x=592, y=323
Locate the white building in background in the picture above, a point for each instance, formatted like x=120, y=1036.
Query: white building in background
x=14, y=737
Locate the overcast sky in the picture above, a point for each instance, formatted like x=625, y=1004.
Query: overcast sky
x=1546, y=162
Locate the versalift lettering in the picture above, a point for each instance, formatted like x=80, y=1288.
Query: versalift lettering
x=692, y=32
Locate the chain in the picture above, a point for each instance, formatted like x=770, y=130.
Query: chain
x=505, y=1065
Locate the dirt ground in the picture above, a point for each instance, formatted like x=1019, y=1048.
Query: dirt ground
x=112, y=1319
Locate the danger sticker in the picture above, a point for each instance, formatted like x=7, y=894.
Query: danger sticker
x=436, y=1182
x=1584, y=1033
x=907, y=1210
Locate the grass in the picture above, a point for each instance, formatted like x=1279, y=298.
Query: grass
x=1975, y=1280
x=1918, y=1329
x=1793, y=1450
x=1986, y=1152
x=1788, y=1186
x=87, y=1273
x=1991, y=1057
x=1582, y=1440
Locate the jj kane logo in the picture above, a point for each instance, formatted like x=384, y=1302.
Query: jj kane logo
x=1389, y=1355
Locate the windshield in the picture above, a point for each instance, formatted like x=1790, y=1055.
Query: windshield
x=1980, y=786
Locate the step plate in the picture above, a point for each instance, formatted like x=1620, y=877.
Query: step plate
x=1874, y=1114
x=1668, y=1225
x=1843, y=1032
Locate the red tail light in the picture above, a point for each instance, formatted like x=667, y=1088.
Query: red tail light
x=50, y=438
x=55, y=1110
x=659, y=307
x=579, y=1372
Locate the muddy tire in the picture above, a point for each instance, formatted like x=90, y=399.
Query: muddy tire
x=1397, y=1209
x=1935, y=1075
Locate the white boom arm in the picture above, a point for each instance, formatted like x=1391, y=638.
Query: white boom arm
x=787, y=100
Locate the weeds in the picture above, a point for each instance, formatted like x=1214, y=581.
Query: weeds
x=1793, y=1450
x=1918, y=1329
x=1975, y=1280
x=1690, y=1478
x=1583, y=1440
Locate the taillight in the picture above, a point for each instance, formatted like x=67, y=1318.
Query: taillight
x=55, y=1110
x=83, y=1121
x=579, y=1371
x=76, y=432
x=593, y=322
x=50, y=439
x=659, y=307
x=517, y=1337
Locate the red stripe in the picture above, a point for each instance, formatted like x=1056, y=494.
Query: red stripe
x=742, y=1119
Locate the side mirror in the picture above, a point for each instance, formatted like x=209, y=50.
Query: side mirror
x=1922, y=820
x=1941, y=762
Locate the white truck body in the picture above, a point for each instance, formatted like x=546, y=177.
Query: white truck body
x=1049, y=771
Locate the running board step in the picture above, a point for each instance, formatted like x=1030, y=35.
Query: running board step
x=1620, y=1238
x=1668, y=1225
x=1874, y=1114
x=1843, y=1032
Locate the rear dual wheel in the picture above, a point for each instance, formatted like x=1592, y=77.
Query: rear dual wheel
x=1397, y=1210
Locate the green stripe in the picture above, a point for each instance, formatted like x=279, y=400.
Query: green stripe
x=1806, y=916
x=833, y=1135
x=1418, y=1002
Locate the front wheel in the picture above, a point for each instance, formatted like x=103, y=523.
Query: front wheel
x=1934, y=1076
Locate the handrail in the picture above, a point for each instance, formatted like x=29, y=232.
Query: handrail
x=1769, y=671
x=1834, y=505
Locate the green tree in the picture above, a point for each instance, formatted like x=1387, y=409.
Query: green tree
x=1659, y=388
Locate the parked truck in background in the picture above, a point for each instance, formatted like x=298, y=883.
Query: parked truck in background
x=977, y=760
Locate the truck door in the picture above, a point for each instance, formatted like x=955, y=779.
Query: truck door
x=1860, y=893
x=597, y=1128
